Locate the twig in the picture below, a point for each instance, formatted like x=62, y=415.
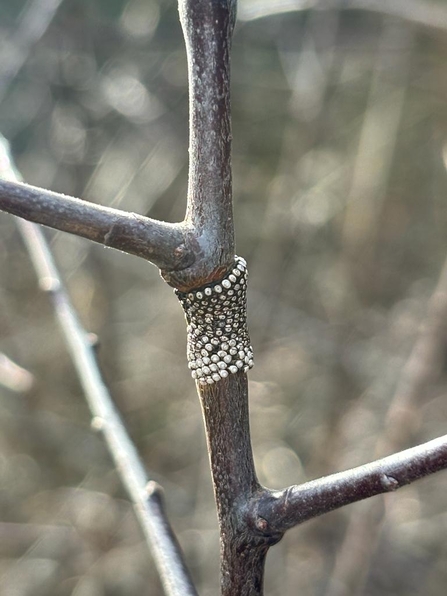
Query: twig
x=144, y=493
x=285, y=509
x=13, y=376
x=162, y=243
x=423, y=13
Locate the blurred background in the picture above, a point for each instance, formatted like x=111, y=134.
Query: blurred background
x=339, y=125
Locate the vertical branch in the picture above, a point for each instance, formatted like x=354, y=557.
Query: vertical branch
x=208, y=27
x=243, y=549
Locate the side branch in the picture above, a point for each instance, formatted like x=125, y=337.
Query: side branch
x=284, y=509
x=164, y=244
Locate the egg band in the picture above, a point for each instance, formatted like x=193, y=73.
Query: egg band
x=218, y=343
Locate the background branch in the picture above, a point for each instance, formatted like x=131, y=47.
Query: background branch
x=144, y=493
x=420, y=12
x=36, y=18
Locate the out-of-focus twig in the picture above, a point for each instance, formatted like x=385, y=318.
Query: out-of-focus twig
x=144, y=493
x=13, y=376
x=420, y=12
x=32, y=26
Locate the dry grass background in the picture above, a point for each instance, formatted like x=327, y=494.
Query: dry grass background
x=339, y=124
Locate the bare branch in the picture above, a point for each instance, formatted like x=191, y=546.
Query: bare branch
x=225, y=407
x=164, y=244
x=423, y=13
x=208, y=27
x=297, y=504
x=144, y=493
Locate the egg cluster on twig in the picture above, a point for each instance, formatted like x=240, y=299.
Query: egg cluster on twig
x=216, y=315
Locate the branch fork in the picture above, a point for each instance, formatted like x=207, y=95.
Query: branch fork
x=191, y=254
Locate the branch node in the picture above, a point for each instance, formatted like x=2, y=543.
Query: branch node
x=93, y=340
x=97, y=423
x=261, y=525
x=389, y=483
x=153, y=489
x=49, y=285
x=180, y=251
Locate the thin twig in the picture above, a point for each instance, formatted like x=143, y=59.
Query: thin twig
x=144, y=493
x=33, y=23
x=423, y=13
x=283, y=510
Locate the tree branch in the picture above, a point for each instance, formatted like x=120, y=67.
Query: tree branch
x=199, y=249
x=423, y=13
x=243, y=546
x=285, y=509
x=144, y=493
x=208, y=27
x=164, y=244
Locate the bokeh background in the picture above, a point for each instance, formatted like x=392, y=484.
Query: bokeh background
x=339, y=124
